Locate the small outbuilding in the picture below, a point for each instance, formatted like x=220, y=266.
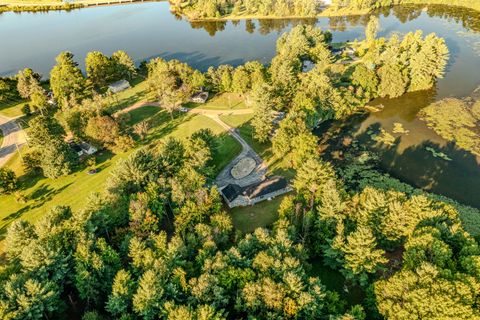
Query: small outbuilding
x=308, y=65
x=200, y=97
x=119, y=86
x=236, y=196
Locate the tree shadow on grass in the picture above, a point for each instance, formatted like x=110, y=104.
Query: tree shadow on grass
x=161, y=125
x=142, y=114
x=40, y=196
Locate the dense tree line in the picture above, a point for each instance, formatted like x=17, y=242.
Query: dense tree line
x=406, y=251
x=218, y=9
x=374, y=4
x=208, y=9
x=395, y=66
x=156, y=244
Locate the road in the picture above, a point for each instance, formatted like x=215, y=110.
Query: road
x=13, y=136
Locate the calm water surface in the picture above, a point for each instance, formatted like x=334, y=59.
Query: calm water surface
x=149, y=30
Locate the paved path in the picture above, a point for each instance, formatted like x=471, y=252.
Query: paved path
x=225, y=177
x=13, y=136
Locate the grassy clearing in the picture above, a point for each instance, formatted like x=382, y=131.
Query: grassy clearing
x=224, y=101
x=335, y=281
x=43, y=193
x=142, y=114
x=263, y=214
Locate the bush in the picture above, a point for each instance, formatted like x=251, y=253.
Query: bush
x=8, y=181
x=26, y=110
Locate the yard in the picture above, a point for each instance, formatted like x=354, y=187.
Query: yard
x=263, y=214
x=264, y=150
x=74, y=189
x=225, y=101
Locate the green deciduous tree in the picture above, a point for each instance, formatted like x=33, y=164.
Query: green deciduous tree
x=124, y=65
x=425, y=293
x=47, y=136
x=66, y=80
x=100, y=68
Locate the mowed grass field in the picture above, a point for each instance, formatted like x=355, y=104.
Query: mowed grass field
x=73, y=190
x=263, y=214
x=225, y=101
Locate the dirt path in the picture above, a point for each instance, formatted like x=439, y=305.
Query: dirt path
x=206, y=112
x=13, y=137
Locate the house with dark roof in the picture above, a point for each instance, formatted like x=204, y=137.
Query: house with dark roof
x=236, y=196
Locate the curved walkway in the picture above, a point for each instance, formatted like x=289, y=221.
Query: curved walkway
x=225, y=178
x=13, y=138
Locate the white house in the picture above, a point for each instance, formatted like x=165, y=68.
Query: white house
x=119, y=86
x=83, y=148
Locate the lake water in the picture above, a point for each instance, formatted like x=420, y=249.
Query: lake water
x=149, y=30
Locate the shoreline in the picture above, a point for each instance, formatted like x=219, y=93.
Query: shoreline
x=62, y=6
x=83, y=4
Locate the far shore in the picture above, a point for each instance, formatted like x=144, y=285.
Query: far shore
x=34, y=6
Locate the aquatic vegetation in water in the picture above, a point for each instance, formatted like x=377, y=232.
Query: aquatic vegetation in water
x=384, y=137
x=366, y=157
x=398, y=128
x=455, y=120
x=438, y=154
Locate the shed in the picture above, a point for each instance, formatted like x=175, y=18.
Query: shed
x=200, y=97
x=308, y=65
x=119, y=86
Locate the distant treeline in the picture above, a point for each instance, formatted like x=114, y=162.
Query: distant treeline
x=41, y=8
x=373, y=4
x=211, y=9
x=218, y=9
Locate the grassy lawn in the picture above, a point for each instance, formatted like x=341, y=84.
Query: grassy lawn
x=224, y=101
x=12, y=110
x=144, y=113
x=43, y=193
x=74, y=189
x=242, y=122
x=263, y=214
